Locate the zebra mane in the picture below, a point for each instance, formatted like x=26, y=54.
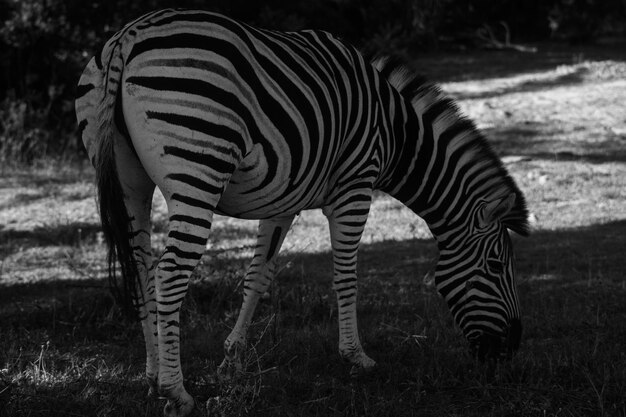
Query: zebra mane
x=424, y=94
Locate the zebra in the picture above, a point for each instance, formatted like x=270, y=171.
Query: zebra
x=226, y=118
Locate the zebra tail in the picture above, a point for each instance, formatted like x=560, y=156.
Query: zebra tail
x=114, y=217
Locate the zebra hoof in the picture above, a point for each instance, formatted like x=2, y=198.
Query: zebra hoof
x=180, y=406
x=214, y=407
x=153, y=388
x=229, y=370
x=363, y=368
x=361, y=363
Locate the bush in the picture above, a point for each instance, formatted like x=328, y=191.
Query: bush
x=23, y=131
x=44, y=44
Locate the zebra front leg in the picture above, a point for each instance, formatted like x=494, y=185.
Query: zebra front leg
x=346, y=221
x=259, y=276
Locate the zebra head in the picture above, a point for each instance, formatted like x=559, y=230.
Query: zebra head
x=475, y=275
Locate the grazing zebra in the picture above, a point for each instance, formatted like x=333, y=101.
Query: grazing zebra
x=225, y=118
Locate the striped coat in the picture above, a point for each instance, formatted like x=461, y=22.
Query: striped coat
x=226, y=118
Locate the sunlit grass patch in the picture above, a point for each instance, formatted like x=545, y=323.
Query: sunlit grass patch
x=564, y=194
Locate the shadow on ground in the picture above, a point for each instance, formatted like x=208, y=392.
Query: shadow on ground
x=65, y=343
x=449, y=66
x=65, y=234
x=84, y=233
x=569, y=79
x=562, y=258
x=537, y=141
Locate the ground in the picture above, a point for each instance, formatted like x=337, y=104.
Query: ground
x=557, y=119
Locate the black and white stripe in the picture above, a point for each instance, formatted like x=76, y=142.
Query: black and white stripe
x=226, y=118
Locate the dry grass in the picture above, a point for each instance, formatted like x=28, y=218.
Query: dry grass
x=65, y=349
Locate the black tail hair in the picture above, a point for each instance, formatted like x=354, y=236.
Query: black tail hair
x=116, y=223
x=116, y=227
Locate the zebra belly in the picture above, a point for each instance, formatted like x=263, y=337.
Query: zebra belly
x=252, y=194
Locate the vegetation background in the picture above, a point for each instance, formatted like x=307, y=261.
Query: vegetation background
x=45, y=44
x=544, y=79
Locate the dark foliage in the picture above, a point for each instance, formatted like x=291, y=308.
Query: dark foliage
x=44, y=44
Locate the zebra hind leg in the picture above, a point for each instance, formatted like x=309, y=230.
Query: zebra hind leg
x=139, y=211
x=258, y=278
x=138, y=189
x=186, y=241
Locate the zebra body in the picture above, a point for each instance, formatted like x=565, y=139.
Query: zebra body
x=225, y=118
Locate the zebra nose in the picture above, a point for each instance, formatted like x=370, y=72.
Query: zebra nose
x=492, y=346
x=487, y=346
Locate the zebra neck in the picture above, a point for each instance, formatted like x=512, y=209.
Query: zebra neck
x=437, y=163
x=444, y=169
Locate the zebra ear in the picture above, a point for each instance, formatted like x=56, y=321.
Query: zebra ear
x=495, y=210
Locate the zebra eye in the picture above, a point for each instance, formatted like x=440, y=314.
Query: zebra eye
x=495, y=266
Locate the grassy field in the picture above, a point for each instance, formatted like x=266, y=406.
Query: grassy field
x=558, y=120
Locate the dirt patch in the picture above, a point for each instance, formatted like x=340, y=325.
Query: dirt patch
x=540, y=114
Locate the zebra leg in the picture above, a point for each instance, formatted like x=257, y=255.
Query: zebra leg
x=186, y=241
x=347, y=221
x=258, y=278
x=138, y=190
x=139, y=211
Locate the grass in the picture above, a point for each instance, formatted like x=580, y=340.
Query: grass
x=65, y=349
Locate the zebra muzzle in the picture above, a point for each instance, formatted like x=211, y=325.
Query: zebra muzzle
x=491, y=346
x=487, y=346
